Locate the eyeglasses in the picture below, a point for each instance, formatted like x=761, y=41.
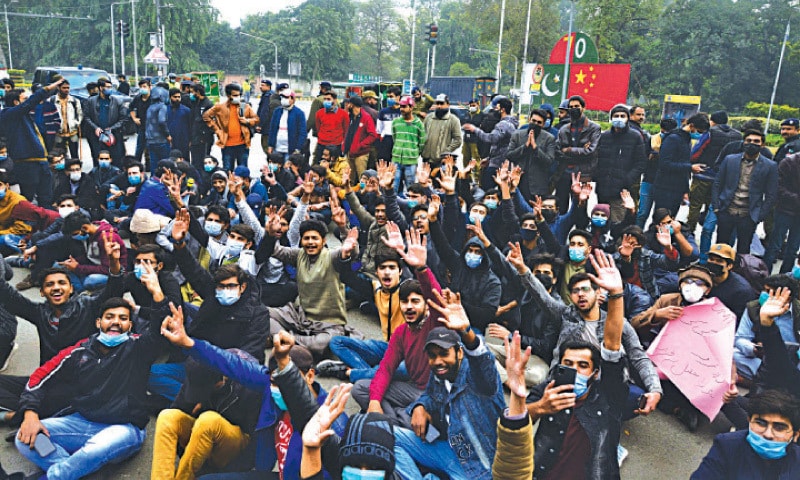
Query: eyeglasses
x=419, y=217
x=695, y=281
x=579, y=290
x=537, y=122
x=759, y=425
x=227, y=286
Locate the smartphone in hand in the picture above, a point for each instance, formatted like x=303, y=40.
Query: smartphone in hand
x=564, y=375
x=43, y=445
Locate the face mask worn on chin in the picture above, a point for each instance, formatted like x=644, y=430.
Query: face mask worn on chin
x=619, y=122
x=473, y=260
x=212, y=228
x=227, y=297
x=692, y=293
x=112, y=341
x=353, y=473
x=528, y=234
x=277, y=397
x=752, y=149
x=762, y=298
x=138, y=271
x=81, y=238
x=234, y=247
x=599, y=221
x=769, y=449
x=581, y=384
x=577, y=254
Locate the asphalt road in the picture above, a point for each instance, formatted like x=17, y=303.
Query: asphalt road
x=660, y=447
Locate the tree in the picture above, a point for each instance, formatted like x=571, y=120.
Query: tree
x=378, y=36
x=460, y=69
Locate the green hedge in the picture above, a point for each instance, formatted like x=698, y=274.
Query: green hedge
x=756, y=109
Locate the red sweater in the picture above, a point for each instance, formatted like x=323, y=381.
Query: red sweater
x=408, y=344
x=331, y=126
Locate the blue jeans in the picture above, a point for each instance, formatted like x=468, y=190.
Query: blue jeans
x=10, y=241
x=35, y=180
x=406, y=172
x=709, y=225
x=363, y=357
x=141, y=143
x=240, y=153
x=91, y=282
x=83, y=446
x=783, y=223
x=166, y=379
x=645, y=203
x=410, y=450
x=158, y=152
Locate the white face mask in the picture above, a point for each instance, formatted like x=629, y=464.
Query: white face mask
x=285, y=102
x=64, y=211
x=692, y=293
x=75, y=176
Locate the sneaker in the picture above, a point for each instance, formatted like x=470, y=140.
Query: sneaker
x=332, y=369
x=25, y=283
x=622, y=454
x=14, y=348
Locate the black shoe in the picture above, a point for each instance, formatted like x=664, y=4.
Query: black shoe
x=332, y=369
x=688, y=418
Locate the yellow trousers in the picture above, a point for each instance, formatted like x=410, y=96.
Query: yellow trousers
x=208, y=437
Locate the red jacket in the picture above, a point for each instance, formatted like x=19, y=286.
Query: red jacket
x=364, y=137
x=331, y=126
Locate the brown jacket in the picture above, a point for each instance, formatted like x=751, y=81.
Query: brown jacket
x=218, y=116
x=646, y=320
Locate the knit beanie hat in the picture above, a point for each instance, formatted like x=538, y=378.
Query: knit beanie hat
x=602, y=207
x=719, y=117
x=368, y=443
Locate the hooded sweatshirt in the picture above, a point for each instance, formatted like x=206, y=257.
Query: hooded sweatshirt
x=499, y=138
x=156, y=129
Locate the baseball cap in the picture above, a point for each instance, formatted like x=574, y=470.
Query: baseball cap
x=407, y=101
x=442, y=98
x=301, y=356
x=791, y=122
x=442, y=337
x=497, y=99
x=564, y=105
x=415, y=90
x=266, y=81
x=187, y=83
x=287, y=92
x=369, y=94
x=282, y=86
x=356, y=101
x=723, y=250
x=325, y=84
x=242, y=171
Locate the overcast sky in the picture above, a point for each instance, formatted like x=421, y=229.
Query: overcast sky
x=233, y=11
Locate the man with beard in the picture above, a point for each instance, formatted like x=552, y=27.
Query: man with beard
x=577, y=145
x=360, y=358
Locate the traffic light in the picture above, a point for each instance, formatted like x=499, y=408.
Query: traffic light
x=126, y=29
x=434, y=33
x=118, y=26
x=428, y=32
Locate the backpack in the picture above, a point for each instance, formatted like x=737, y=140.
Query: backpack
x=753, y=269
x=249, y=127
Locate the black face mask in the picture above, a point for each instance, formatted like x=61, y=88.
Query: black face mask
x=441, y=112
x=546, y=280
x=715, y=269
x=549, y=215
x=575, y=114
x=536, y=130
x=752, y=149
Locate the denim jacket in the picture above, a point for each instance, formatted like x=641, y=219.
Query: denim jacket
x=474, y=403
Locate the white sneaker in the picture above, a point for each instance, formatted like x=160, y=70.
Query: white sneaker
x=622, y=454
x=11, y=354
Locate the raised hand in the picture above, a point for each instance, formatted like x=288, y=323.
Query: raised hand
x=346, y=176
x=606, y=274
x=663, y=236
x=516, y=361
x=308, y=187
x=434, y=206
x=627, y=245
x=477, y=229
x=172, y=328
x=318, y=429
x=586, y=192
x=338, y=214
x=350, y=243
x=627, y=200
x=515, y=176
x=537, y=208
x=150, y=281
x=424, y=174
x=417, y=255
x=576, y=183
x=282, y=343
x=447, y=180
x=111, y=247
x=501, y=177
x=449, y=306
x=395, y=238
x=273, y=224
x=180, y=227
x=386, y=174
x=515, y=257
x=776, y=305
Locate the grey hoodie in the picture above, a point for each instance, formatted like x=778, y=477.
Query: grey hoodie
x=499, y=138
x=156, y=130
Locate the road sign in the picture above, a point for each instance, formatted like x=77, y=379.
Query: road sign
x=294, y=69
x=157, y=57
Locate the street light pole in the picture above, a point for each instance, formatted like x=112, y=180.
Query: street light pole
x=135, y=53
x=268, y=41
x=500, y=44
x=8, y=36
x=569, y=51
x=527, y=32
x=113, y=43
x=413, y=36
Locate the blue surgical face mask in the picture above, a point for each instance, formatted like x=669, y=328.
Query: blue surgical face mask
x=490, y=204
x=59, y=165
x=577, y=254
x=796, y=272
x=213, y=228
x=227, y=297
x=762, y=298
x=599, y=221
x=474, y=218
x=353, y=473
x=81, y=237
x=581, y=384
x=362, y=185
x=138, y=270
x=769, y=449
x=274, y=167
x=391, y=102
x=696, y=135
x=192, y=97
x=2, y=194
x=473, y=260
x=134, y=180
x=547, y=124
x=327, y=104
x=412, y=203
x=107, y=92
x=234, y=247
x=277, y=397
x=105, y=163
x=112, y=341
x=208, y=168
x=3, y=157
x=619, y=122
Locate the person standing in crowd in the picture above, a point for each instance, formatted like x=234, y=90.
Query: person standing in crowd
x=70, y=116
x=674, y=163
x=105, y=115
x=138, y=111
x=231, y=121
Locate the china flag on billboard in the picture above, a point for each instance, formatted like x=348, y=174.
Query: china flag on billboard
x=602, y=85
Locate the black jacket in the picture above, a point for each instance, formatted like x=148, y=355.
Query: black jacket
x=620, y=163
x=201, y=133
x=106, y=387
x=243, y=325
x=674, y=166
x=792, y=145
